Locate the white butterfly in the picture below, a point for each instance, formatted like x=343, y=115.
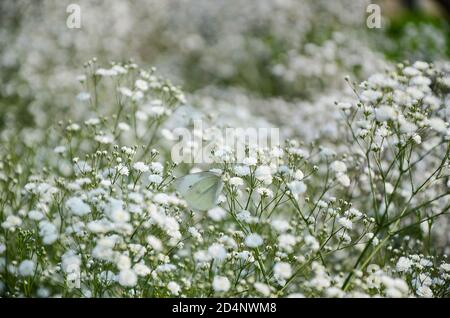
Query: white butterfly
x=200, y=190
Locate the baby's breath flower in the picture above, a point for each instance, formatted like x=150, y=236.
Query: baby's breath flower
x=282, y=270
x=77, y=206
x=217, y=214
x=26, y=268
x=262, y=288
x=217, y=252
x=345, y=223
x=242, y=171
x=128, y=278
x=403, y=264
x=253, y=240
x=12, y=222
x=297, y=187
x=140, y=166
x=264, y=174
x=221, y=284
x=174, y=288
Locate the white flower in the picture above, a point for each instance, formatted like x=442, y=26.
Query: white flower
x=343, y=179
x=246, y=216
x=296, y=295
x=338, y=166
x=48, y=232
x=437, y=124
x=42, y=292
x=264, y=192
x=26, y=268
x=155, y=178
x=415, y=93
x=202, y=256
x=217, y=213
x=411, y=71
x=262, y=288
x=344, y=105
x=370, y=96
x=420, y=81
x=352, y=212
x=35, y=215
x=221, y=284
x=12, y=222
x=77, y=206
x=424, y=291
x=385, y=113
x=426, y=262
x=242, y=171
x=120, y=216
x=276, y=152
x=282, y=270
x=73, y=127
x=141, y=84
x=125, y=91
x=154, y=242
x=253, y=240
x=161, y=198
x=406, y=127
x=264, y=174
x=92, y=121
x=286, y=242
x=82, y=167
x=195, y=233
x=156, y=111
x=122, y=170
x=70, y=262
x=297, y=187
x=280, y=225
x=166, y=268
x=174, y=288
x=403, y=264
x=236, y=181
x=105, y=72
x=420, y=65
x=157, y=167
x=128, y=278
x=59, y=149
x=140, y=166
x=381, y=80
x=298, y=175
x=334, y=292
x=302, y=153
x=217, y=252
x=119, y=69
x=445, y=267
x=345, y=223
x=123, y=126
x=311, y=242
x=123, y=262
x=389, y=188
x=104, y=139
x=99, y=226
x=141, y=269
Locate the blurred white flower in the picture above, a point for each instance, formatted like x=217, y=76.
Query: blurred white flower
x=221, y=284
x=253, y=240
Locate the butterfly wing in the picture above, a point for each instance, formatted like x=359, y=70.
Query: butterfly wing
x=200, y=190
x=184, y=184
